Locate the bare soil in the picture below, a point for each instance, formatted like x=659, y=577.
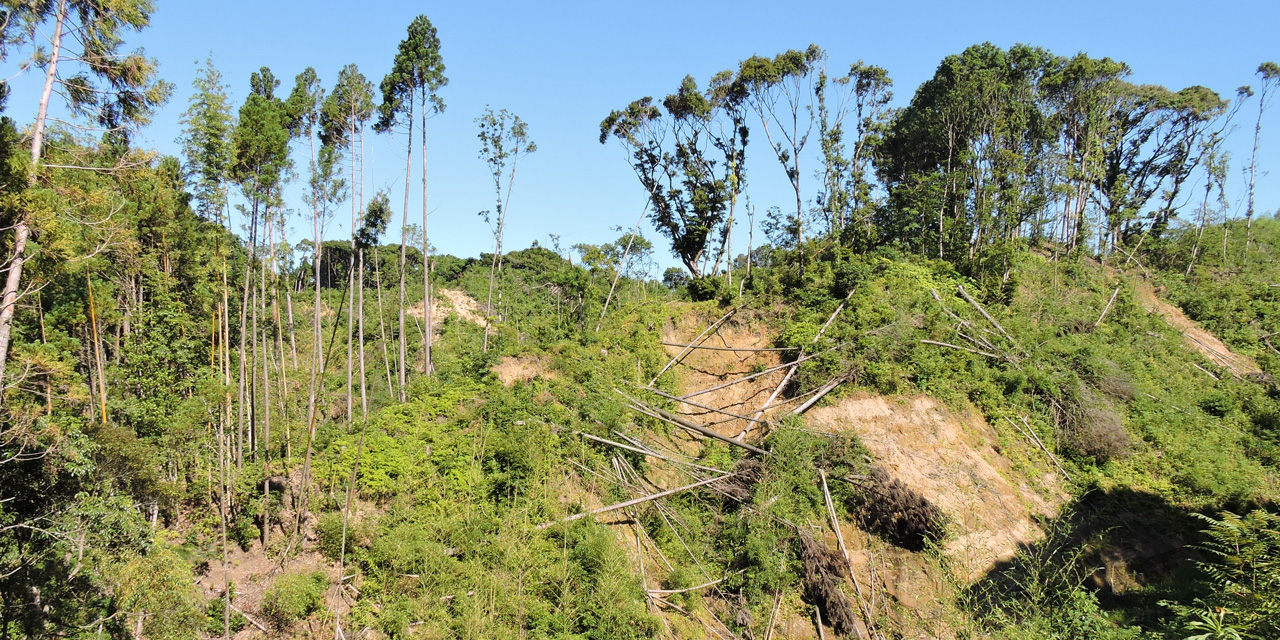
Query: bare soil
x=948, y=458
x=1197, y=338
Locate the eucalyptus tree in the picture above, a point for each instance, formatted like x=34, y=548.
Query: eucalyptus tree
x=971, y=152
x=504, y=139
x=863, y=94
x=1080, y=94
x=673, y=151
x=727, y=98
x=77, y=43
x=206, y=146
x=416, y=75
x=260, y=145
x=343, y=117
x=325, y=190
x=781, y=93
x=1268, y=76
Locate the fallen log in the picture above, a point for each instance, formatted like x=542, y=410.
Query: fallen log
x=744, y=349
x=703, y=406
x=817, y=396
x=1107, y=308
x=696, y=341
x=966, y=296
x=640, y=500
x=954, y=346
x=681, y=422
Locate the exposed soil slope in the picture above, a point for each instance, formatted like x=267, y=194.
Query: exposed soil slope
x=1197, y=338
x=949, y=459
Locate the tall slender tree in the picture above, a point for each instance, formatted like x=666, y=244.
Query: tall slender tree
x=1268, y=77
x=343, y=117
x=206, y=146
x=325, y=189
x=781, y=90
x=416, y=75
x=504, y=139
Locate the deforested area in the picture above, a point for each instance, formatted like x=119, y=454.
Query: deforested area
x=318, y=338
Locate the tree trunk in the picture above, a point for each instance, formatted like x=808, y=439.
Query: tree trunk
x=22, y=229
x=429, y=334
x=404, y=228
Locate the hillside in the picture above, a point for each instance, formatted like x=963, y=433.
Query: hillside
x=996, y=360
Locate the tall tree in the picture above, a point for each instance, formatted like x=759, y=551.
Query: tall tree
x=504, y=139
x=261, y=149
x=343, y=118
x=206, y=144
x=117, y=92
x=781, y=90
x=417, y=73
x=673, y=150
x=325, y=189
x=1268, y=76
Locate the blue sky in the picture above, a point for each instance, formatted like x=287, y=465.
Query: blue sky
x=562, y=66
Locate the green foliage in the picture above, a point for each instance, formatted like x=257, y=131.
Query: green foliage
x=292, y=597
x=159, y=587
x=1242, y=571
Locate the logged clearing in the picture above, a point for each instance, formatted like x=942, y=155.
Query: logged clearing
x=455, y=303
x=513, y=369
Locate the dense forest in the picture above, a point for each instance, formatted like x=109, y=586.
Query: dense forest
x=1007, y=372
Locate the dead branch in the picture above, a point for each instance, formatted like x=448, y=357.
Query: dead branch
x=1107, y=308
x=753, y=376
x=687, y=589
x=681, y=422
x=1205, y=371
x=255, y=623
x=696, y=341
x=640, y=500
x=966, y=296
x=952, y=346
x=744, y=349
x=795, y=366
x=703, y=406
x=1036, y=441
x=857, y=588
x=818, y=396
x=650, y=453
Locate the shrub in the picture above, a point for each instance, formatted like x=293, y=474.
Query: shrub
x=1243, y=577
x=293, y=597
x=1216, y=404
x=1092, y=428
x=329, y=531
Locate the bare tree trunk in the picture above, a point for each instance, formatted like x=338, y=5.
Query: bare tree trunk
x=429, y=334
x=382, y=323
x=1253, y=174
x=622, y=265
x=316, y=355
x=266, y=389
x=97, y=350
x=364, y=394
x=244, y=317
x=22, y=229
x=404, y=228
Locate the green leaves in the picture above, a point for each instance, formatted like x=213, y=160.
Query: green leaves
x=418, y=71
x=346, y=109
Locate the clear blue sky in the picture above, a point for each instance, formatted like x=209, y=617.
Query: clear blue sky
x=562, y=66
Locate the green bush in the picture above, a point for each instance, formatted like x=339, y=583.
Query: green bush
x=1242, y=579
x=293, y=597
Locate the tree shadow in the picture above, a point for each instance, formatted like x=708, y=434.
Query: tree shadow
x=1129, y=547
